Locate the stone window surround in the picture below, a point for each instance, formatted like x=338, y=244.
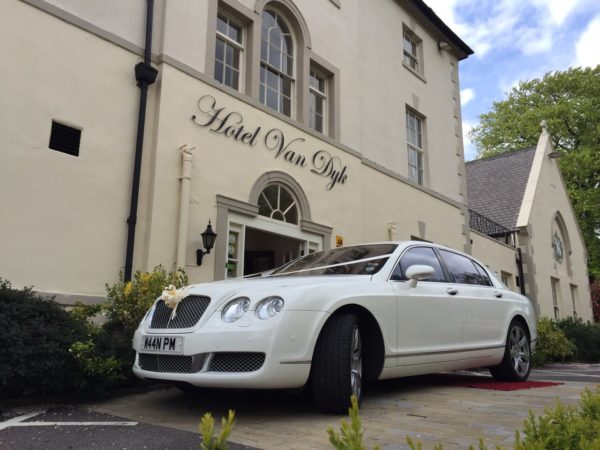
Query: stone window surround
x=423, y=149
x=420, y=72
x=249, y=208
x=304, y=57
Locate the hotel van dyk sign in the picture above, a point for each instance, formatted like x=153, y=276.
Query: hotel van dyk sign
x=231, y=125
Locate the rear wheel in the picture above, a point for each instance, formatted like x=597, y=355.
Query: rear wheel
x=516, y=364
x=337, y=366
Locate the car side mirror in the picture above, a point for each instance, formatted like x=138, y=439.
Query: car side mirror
x=418, y=272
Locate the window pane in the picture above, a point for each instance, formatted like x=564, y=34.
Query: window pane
x=262, y=94
x=287, y=106
x=228, y=76
x=272, y=99
x=421, y=255
x=319, y=123
x=286, y=86
x=236, y=79
x=263, y=50
x=219, y=71
x=461, y=268
x=220, y=50
x=229, y=55
x=274, y=57
x=485, y=279
x=235, y=32
x=272, y=80
x=222, y=24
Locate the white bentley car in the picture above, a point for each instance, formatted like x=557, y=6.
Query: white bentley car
x=334, y=319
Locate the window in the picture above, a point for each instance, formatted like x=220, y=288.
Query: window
x=461, y=268
x=485, y=278
x=555, y=296
x=276, y=63
x=317, y=101
x=419, y=255
x=574, y=300
x=228, y=52
x=506, y=277
x=414, y=133
x=277, y=202
x=411, y=51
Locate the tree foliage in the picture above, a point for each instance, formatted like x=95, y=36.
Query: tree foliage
x=569, y=102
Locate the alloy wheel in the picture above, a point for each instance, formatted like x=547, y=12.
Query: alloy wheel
x=520, y=354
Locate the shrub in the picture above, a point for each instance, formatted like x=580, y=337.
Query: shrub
x=552, y=344
x=585, y=337
x=106, y=355
x=595, y=294
x=36, y=336
x=350, y=436
x=207, y=430
x=564, y=427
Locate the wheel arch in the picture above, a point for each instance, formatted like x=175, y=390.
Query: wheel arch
x=371, y=335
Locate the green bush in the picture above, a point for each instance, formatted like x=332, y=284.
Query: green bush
x=106, y=355
x=552, y=344
x=564, y=427
x=585, y=337
x=36, y=335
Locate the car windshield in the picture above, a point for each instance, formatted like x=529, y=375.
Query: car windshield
x=356, y=260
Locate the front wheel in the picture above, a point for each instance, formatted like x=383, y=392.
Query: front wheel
x=338, y=364
x=516, y=364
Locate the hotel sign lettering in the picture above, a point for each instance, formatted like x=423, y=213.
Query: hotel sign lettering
x=231, y=125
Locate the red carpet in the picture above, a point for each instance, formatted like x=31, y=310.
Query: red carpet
x=490, y=383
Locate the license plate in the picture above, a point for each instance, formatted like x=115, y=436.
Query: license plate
x=162, y=344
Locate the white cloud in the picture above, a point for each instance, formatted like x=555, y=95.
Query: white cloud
x=587, y=49
x=470, y=150
x=466, y=95
x=558, y=10
x=534, y=41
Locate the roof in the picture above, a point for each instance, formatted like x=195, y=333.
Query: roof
x=496, y=185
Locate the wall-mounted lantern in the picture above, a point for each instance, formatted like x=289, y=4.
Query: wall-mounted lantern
x=208, y=240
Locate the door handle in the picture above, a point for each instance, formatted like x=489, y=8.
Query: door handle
x=498, y=294
x=452, y=291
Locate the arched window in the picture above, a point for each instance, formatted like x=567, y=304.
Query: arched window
x=276, y=202
x=276, y=63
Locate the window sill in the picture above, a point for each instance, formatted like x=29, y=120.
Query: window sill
x=414, y=72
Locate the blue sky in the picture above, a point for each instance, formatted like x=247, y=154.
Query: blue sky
x=517, y=40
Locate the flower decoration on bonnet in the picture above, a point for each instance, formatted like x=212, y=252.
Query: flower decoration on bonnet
x=172, y=296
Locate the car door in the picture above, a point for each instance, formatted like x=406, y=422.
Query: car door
x=484, y=309
x=430, y=327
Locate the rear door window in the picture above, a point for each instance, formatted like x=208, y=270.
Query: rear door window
x=461, y=268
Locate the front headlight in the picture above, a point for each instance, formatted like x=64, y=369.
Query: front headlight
x=269, y=307
x=235, y=309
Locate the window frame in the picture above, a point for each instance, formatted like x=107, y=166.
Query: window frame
x=413, y=148
x=417, y=56
x=279, y=73
x=228, y=41
x=322, y=95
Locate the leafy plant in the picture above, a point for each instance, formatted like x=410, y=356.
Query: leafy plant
x=36, y=336
x=552, y=344
x=584, y=336
x=350, y=436
x=207, y=430
x=564, y=427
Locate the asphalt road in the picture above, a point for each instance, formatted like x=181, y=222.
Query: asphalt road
x=70, y=427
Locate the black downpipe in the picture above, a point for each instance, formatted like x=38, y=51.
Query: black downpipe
x=520, y=268
x=145, y=75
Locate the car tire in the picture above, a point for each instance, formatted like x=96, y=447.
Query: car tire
x=516, y=363
x=337, y=364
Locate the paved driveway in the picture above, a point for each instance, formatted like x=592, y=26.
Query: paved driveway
x=426, y=408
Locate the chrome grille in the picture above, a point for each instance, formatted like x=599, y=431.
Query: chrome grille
x=236, y=362
x=165, y=363
x=189, y=312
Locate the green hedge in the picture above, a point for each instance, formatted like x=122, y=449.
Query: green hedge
x=584, y=336
x=36, y=337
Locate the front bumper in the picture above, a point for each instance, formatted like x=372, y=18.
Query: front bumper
x=252, y=353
